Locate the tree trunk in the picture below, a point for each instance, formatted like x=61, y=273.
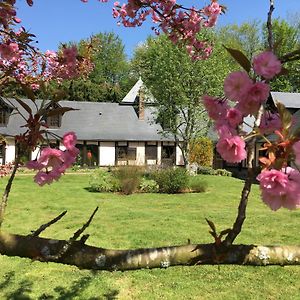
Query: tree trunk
x=89, y=257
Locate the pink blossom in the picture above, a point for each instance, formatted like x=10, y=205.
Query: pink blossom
x=257, y=93
x=266, y=64
x=269, y=123
x=52, y=163
x=69, y=140
x=232, y=149
x=216, y=107
x=296, y=149
x=234, y=117
x=237, y=85
x=280, y=188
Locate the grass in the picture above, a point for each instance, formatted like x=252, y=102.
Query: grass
x=145, y=220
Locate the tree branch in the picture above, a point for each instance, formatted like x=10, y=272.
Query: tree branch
x=44, y=226
x=269, y=26
x=69, y=244
x=7, y=190
x=94, y=258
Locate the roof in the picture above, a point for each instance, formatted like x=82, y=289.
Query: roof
x=132, y=95
x=98, y=121
x=290, y=100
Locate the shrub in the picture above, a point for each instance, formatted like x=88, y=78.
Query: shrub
x=206, y=170
x=198, y=186
x=202, y=151
x=148, y=186
x=103, y=181
x=129, y=178
x=171, y=180
x=223, y=172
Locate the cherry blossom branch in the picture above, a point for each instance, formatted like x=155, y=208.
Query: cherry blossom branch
x=269, y=26
x=7, y=190
x=241, y=216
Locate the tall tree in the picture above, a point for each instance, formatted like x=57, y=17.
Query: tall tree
x=286, y=39
x=178, y=84
x=110, y=79
x=245, y=37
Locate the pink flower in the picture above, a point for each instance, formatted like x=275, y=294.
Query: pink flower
x=234, y=117
x=280, y=188
x=269, y=123
x=237, y=85
x=255, y=96
x=216, y=108
x=296, y=148
x=69, y=140
x=52, y=163
x=266, y=64
x=232, y=149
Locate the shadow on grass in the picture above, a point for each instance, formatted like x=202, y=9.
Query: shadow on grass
x=25, y=287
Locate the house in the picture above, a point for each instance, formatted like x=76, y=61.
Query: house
x=292, y=102
x=108, y=134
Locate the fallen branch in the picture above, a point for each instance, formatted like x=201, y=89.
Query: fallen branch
x=69, y=244
x=45, y=226
x=89, y=257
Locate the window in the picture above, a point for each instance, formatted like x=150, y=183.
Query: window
x=54, y=121
x=151, y=151
x=125, y=153
x=3, y=117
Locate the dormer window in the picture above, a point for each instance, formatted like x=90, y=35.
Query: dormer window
x=4, y=114
x=53, y=121
x=5, y=111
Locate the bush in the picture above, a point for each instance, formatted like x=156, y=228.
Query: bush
x=129, y=178
x=148, y=186
x=202, y=151
x=103, y=181
x=206, y=170
x=198, y=186
x=223, y=172
x=210, y=171
x=171, y=180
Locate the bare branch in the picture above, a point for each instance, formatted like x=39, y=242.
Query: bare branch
x=7, y=190
x=44, y=226
x=291, y=56
x=68, y=245
x=269, y=26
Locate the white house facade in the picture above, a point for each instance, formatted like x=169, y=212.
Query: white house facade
x=109, y=134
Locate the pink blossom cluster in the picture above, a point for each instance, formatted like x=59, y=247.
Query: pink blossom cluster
x=280, y=188
x=65, y=65
x=52, y=163
x=244, y=96
x=179, y=23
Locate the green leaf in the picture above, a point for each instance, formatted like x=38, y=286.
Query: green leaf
x=240, y=58
x=285, y=116
x=24, y=105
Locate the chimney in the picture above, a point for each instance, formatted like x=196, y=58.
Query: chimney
x=141, y=104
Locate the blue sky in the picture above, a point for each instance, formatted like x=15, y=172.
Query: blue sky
x=55, y=21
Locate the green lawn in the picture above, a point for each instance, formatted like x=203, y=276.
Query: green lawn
x=145, y=220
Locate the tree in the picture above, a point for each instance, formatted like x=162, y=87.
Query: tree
x=178, y=84
x=110, y=78
x=286, y=39
x=248, y=90
x=244, y=37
